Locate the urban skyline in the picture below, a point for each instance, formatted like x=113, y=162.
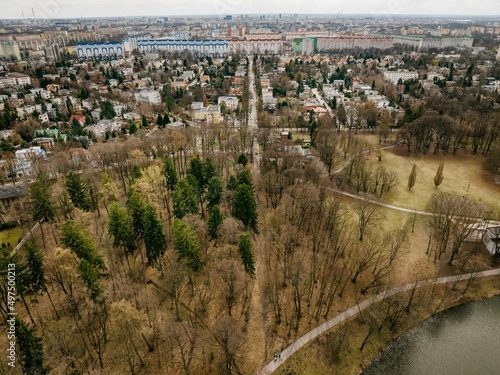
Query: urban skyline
x=126, y=8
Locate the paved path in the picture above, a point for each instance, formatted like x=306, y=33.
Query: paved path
x=25, y=238
x=318, y=331
x=252, y=118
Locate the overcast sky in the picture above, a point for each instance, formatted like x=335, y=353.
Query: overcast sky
x=106, y=8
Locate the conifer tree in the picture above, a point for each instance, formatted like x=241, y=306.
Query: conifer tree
x=154, y=238
x=170, y=173
x=42, y=204
x=215, y=220
x=214, y=192
x=245, y=250
x=186, y=243
x=78, y=192
x=245, y=206
x=185, y=198
x=120, y=228
x=136, y=208
x=30, y=349
x=159, y=121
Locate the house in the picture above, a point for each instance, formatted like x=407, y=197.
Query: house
x=44, y=142
x=491, y=240
x=79, y=118
x=231, y=102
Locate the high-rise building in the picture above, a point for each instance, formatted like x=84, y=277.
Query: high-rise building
x=52, y=53
x=9, y=49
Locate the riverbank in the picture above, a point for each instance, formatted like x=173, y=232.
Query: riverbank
x=338, y=351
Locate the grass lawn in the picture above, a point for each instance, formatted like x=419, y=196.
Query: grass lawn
x=11, y=235
x=463, y=174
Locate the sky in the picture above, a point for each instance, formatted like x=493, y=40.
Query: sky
x=117, y=8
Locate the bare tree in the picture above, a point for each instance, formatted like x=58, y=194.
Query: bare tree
x=438, y=178
x=413, y=177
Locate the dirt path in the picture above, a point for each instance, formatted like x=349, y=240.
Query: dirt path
x=311, y=335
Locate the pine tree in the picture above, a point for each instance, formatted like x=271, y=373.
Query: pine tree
x=245, y=206
x=438, y=178
x=133, y=128
x=120, y=228
x=166, y=119
x=76, y=239
x=154, y=238
x=245, y=177
x=242, y=159
x=413, y=177
x=159, y=121
x=215, y=220
x=30, y=349
x=91, y=278
x=232, y=183
x=135, y=172
x=136, y=208
x=186, y=243
x=185, y=198
x=196, y=169
x=170, y=173
x=144, y=122
x=78, y=192
x=245, y=250
x=42, y=204
x=32, y=280
x=214, y=192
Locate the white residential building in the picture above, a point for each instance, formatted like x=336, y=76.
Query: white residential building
x=231, y=102
x=150, y=96
x=403, y=75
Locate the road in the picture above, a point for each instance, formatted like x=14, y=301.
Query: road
x=252, y=118
x=311, y=335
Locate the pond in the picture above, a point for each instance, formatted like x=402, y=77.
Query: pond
x=463, y=340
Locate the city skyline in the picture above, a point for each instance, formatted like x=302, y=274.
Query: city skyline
x=16, y=9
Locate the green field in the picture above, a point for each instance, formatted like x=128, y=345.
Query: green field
x=463, y=174
x=11, y=235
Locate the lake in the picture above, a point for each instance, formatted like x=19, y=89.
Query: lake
x=464, y=340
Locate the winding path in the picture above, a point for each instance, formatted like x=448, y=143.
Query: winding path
x=311, y=335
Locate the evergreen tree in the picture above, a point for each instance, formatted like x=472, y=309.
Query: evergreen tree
x=242, y=159
x=42, y=204
x=30, y=349
x=107, y=110
x=91, y=278
x=245, y=177
x=159, y=121
x=132, y=128
x=77, y=239
x=154, y=238
x=144, y=122
x=170, y=173
x=32, y=280
x=186, y=243
x=245, y=250
x=166, y=119
x=245, y=206
x=185, y=198
x=196, y=169
x=135, y=172
x=215, y=220
x=120, y=228
x=214, y=192
x=136, y=208
x=232, y=183
x=78, y=192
